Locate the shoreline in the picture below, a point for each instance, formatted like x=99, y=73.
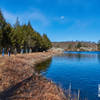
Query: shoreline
x=19, y=81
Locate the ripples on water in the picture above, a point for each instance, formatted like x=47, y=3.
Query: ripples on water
x=81, y=69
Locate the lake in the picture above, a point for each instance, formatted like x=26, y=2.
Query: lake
x=80, y=69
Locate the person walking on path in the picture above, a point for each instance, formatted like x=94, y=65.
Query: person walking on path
x=26, y=50
x=3, y=52
x=15, y=52
x=22, y=50
x=9, y=52
x=30, y=51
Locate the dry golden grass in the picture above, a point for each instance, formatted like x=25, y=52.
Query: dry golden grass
x=19, y=81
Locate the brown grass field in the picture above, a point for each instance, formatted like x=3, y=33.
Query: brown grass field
x=19, y=81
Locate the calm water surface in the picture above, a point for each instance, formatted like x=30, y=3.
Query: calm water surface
x=81, y=69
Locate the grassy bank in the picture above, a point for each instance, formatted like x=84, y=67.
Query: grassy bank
x=19, y=81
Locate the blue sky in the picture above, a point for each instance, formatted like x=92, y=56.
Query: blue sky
x=61, y=20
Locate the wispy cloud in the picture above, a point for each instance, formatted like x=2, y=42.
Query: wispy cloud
x=81, y=24
x=26, y=16
x=38, y=16
x=62, y=17
x=9, y=16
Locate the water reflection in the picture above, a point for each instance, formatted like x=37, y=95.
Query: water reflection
x=99, y=58
x=80, y=56
x=43, y=67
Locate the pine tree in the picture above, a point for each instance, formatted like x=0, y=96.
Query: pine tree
x=6, y=40
x=79, y=45
x=16, y=35
x=21, y=36
x=17, y=23
x=46, y=41
x=38, y=41
x=30, y=37
x=2, y=24
x=0, y=37
x=2, y=20
x=69, y=46
x=5, y=30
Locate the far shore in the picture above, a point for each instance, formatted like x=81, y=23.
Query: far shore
x=82, y=51
x=19, y=81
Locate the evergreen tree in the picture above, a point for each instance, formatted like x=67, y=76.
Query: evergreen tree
x=15, y=35
x=22, y=36
x=46, y=41
x=70, y=46
x=2, y=25
x=17, y=23
x=79, y=45
x=38, y=41
x=2, y=20
x=6, y=40
x=0, y=37
x=30, y=36
x=5, y=30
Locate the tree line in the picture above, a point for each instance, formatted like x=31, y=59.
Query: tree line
x=21, y=36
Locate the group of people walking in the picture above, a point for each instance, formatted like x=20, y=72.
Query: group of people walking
x=15, y=51
x=9, y=52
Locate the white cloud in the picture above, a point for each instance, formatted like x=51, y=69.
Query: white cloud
x=39, y=17
x=62, y=17
x=9, y=16
x=26, y=16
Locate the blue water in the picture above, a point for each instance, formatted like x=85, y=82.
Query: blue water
x=81, y=69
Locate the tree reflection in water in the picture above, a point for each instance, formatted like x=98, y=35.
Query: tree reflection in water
x=79, y=56
x=43, y=67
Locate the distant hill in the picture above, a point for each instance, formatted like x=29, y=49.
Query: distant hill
x=76, y=46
